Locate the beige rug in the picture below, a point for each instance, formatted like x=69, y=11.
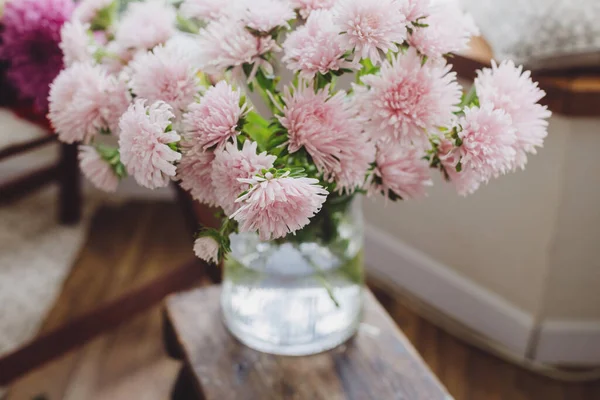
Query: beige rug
x=36, y=255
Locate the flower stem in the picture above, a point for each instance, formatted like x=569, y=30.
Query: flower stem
x=320, y=275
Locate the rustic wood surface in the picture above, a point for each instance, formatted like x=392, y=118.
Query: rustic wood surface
x=378, y=363
x=129, y=246
x=137, y=242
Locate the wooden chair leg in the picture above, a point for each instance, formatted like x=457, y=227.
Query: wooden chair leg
x=70, y=185
x=184, y=388
x=186, y=204
x=192, y=221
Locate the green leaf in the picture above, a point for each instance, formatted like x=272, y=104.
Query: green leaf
x=174, y=146
x=367, y=69
x=393, y=196
x=322, y=80
x=257, y=128
x=189, y=25
x=105, y=17
x=470, y=99
x=120, y=170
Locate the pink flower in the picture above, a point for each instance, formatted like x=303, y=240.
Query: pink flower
x=97, y=170
x=370, y=28
x=207, y=249
x=164, y=74
x=449, y=30
x=408, y=100
x=315, y=47
x=29, y=43
x=227, y=43
x=207, y=9
x=215, y=119
x=401, y=171
x=87, y=10
x=232, y=164
x=468, y=180
x=508, y=88
x=305, y=7
x=266, y=15
x=275, y=207
x=415, y=9
x=75, y=43
x=144, y=143
x=194, y=173
x=116, y=101
x=146, y=24
x=85, y=100
x=487, y=141
x=326, y=127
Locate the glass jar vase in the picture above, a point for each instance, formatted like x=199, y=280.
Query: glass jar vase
x=302, y=294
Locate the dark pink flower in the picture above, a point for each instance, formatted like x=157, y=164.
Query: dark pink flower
x=30, y=42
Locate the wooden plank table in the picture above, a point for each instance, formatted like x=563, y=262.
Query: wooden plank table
x=378, y=363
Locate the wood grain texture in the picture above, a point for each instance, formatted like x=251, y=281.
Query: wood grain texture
x=131, y=244
x=469, y=373
x=128, y=246
x=378, y=363
x=23, y=147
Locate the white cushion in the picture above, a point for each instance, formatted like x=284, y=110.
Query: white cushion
x=541, y=34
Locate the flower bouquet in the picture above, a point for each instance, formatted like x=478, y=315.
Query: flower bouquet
x=195, y=93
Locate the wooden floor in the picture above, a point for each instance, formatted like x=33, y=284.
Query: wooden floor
x=136, y=242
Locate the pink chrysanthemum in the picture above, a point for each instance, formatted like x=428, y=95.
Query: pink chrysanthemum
x=326, y=127
x=305, y=7
x=146, y=24
x=87, y=10
x=465, y=182
x=97, y=170
x=29, y=41
x=207, y=249
x=401, y=171
x=487, y=141
x=315, y=47
x=227, y=43
x=370, y=28
x=266, y=15
x=408, y=99
x=232, y=164
x=414, y=10
x=85, y=100
x=215, y=119
x=275, y=207
x=75, y=43
x=508, y=88
x=468, y=180
x=449, y=30
x=208, y=10
x=144, y=144
x=194, y=173
x=164, y=74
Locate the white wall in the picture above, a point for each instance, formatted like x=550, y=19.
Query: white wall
x=573, y=287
